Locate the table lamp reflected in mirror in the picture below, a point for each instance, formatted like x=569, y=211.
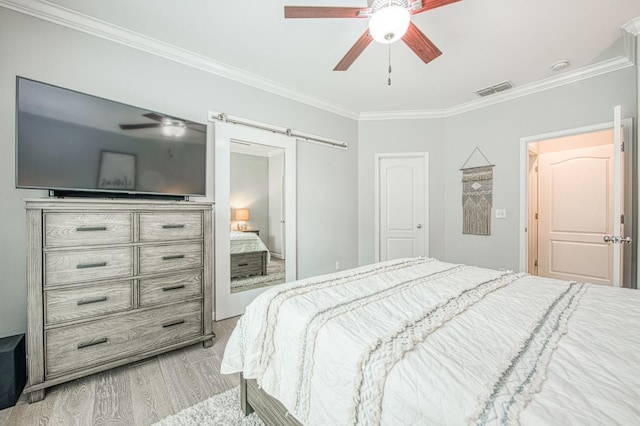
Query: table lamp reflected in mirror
x=241, y=216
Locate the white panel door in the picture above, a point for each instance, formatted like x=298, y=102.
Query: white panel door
x=401, y=206
x=576, y=209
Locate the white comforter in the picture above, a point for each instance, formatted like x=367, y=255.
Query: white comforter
x=422, y=342
x=245, y=242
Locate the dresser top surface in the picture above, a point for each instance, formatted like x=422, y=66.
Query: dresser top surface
x=113, y=204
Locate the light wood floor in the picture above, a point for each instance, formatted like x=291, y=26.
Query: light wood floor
x=138, y=394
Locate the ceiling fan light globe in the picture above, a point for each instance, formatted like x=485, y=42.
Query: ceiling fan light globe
x=174, y=130
x=389, y=24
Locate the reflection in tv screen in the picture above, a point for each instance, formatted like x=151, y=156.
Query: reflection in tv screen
x=68, y=140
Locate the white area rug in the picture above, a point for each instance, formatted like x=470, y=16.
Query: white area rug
x=222, y=409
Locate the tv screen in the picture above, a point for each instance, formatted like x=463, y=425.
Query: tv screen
x=71, y=141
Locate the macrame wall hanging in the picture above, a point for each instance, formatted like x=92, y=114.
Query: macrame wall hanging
x=477, y=196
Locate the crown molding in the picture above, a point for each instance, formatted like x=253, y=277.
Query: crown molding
x=589, y=71
x=69, y=18
x=633, y=26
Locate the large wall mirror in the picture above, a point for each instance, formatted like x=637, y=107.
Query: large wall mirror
x=255, y=221
x=256, y=198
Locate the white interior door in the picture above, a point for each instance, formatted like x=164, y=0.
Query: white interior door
x=581, y=200
x=616, y=239
x=402, y=205
x=576, y=194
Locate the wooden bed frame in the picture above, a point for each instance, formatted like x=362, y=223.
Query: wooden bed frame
x=248, y=264
x=269, y=409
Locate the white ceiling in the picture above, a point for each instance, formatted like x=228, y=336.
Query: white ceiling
x=484, y=42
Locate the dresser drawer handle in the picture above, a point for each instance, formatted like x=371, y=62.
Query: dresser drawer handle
x=173, y=256
x=92, y=343
x=90, y=265
x=173, y=287
x=172, y=323
x=243, y=264
x=172, y=226
x=94, y=300
x=91, y=228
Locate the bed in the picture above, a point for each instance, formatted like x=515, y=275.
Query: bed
x=419, y=341
x=249, y=255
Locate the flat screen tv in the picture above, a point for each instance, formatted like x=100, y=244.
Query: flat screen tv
x=74, y=143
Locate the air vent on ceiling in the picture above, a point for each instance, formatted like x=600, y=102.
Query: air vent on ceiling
x=500, y=87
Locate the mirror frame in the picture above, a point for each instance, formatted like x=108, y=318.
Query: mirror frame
x=229, y=304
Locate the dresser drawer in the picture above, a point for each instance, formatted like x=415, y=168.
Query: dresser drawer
x=85, y=302
x=170, y=257
x=170, y=226
x=62, y=267
x=93, y=343
x=170, y=288
x=246, y=264
x=77, y=229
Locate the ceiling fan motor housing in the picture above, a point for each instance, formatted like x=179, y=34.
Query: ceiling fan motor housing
x=389, y=20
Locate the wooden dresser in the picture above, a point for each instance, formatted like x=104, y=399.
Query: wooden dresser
x=114, y=281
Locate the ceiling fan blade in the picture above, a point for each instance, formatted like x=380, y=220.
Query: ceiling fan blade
x=432, y=4
x=420, y=44
x=154, y=116
x=354, y=52
x=164, y=118
x=323, y=12
x=140, y=126
x=196, y=130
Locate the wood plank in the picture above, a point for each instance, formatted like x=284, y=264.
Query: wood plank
x=74, y=403
x=38, y=413
x=177, y=370
x=149, y=392
x=211, y=380
x=4, y=416
x=112, y=402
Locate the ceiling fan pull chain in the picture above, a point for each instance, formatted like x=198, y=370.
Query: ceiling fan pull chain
x=389, y=80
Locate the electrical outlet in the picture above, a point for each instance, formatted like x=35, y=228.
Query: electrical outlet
x=501, y=213
x=337, y=265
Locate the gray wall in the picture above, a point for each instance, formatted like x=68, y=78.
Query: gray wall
x=496, y=130
x=250, y=189
x=400, y=136
x=54, y=54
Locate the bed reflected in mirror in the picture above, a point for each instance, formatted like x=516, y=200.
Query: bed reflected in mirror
x=257, y=216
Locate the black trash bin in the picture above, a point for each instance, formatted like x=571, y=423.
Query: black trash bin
x=12, y=369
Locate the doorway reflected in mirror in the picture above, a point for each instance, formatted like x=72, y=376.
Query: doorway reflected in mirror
x=257, y=216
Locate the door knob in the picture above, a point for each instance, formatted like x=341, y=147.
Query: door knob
x=616, y=240
x=419, y=226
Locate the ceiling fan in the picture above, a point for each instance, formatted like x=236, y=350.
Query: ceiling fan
x=170, y=126
x=389, y=21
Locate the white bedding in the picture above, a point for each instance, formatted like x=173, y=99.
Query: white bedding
x=245, y=242
x=418, y=341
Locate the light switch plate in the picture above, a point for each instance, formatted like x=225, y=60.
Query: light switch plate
x=501, y=213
